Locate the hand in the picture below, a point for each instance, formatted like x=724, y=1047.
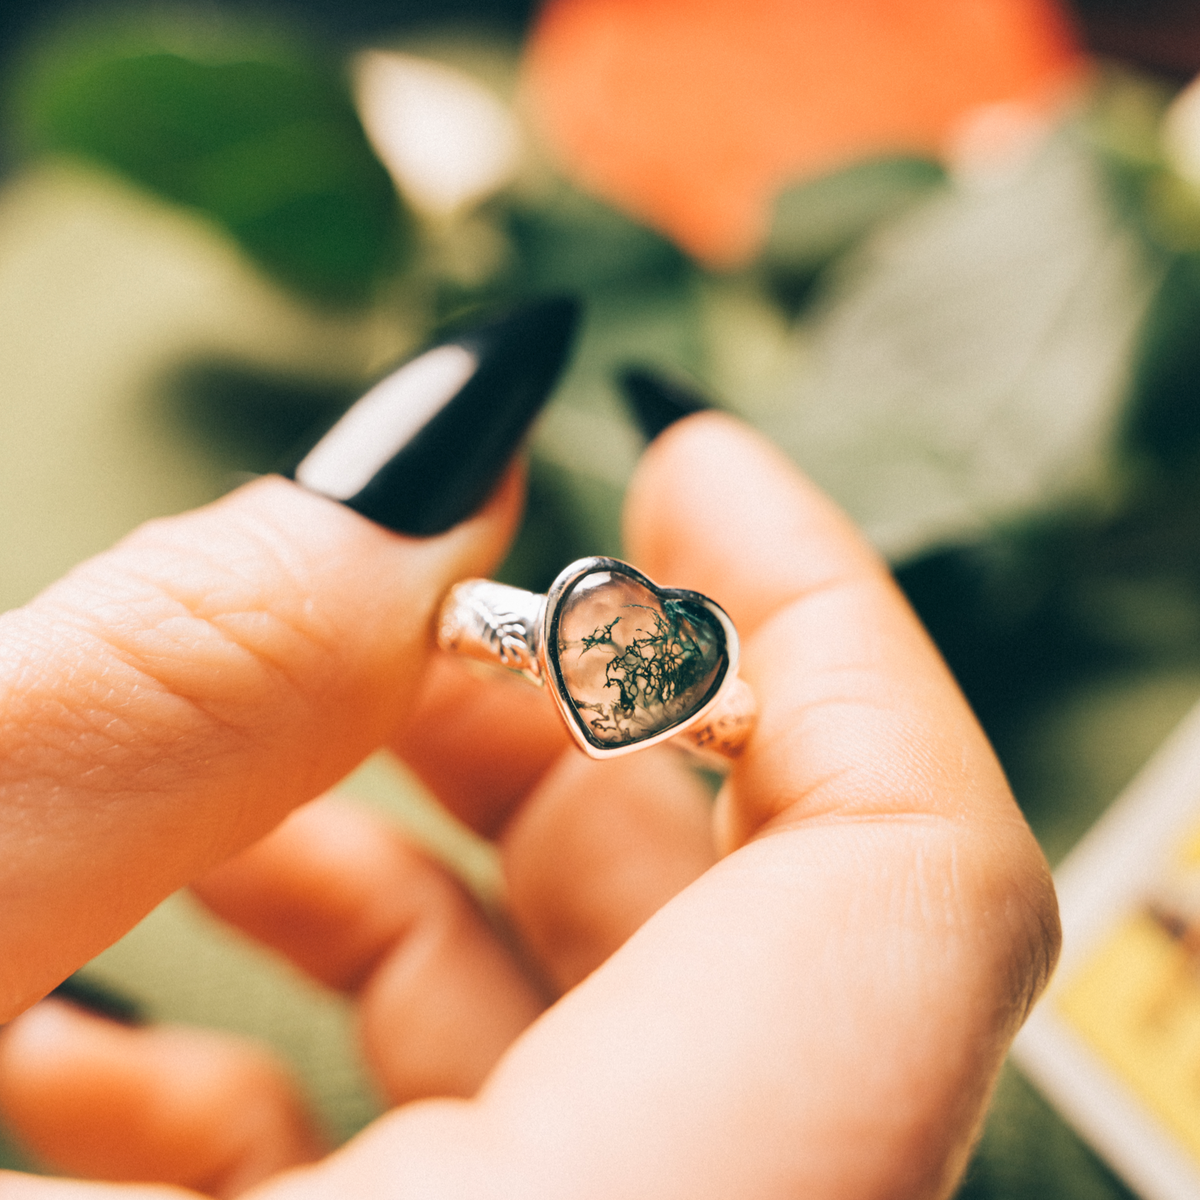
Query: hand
x=820, y=1013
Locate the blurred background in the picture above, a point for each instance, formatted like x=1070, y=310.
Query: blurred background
x=946, y=254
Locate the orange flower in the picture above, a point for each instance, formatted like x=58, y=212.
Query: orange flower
x=693, y=114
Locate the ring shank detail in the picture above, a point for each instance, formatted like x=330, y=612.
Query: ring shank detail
x=724, y=730
x=493, y=623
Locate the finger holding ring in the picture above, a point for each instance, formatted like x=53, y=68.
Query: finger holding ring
x=628, y=664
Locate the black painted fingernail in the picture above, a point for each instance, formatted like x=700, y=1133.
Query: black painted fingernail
x=423, y=449
x=99, y=999
x=657, y=401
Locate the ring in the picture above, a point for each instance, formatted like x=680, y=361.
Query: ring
x=629, y=664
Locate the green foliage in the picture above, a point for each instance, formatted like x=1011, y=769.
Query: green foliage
x=968, y=365
x=568, y=240
x=816, y=221
x=262, y=140
x=1164, y=415
x=1028, y=1151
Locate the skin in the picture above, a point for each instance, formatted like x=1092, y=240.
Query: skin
x=804, y=992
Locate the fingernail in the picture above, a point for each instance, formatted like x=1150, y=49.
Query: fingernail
x=425, y=447
x=99, y=999
x=657, y=401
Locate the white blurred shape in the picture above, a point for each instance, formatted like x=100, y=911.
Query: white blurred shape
x=994, y=143
x=1181, y=133
x=447, y=141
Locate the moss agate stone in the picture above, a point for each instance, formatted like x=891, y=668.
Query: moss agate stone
x=635, y=662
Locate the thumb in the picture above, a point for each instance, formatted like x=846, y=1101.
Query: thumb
x=170, y=701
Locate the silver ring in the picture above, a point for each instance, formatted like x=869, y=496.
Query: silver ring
x=629, y=664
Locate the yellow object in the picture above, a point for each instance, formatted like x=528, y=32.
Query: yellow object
x=1136, y=1002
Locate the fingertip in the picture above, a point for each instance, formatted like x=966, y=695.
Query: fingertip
x=348, y=899
x=715, y=507
x=275, y=505
x=319, y=889
x=150, y=1103
x=39, y=1034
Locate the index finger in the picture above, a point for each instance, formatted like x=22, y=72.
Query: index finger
x=171, y=700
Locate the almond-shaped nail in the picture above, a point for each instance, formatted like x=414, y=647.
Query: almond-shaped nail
x=425, y=447
x=656, y=401
x=99, y=999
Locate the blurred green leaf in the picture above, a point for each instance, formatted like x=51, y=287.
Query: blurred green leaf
x=11, y=1159
x=586, y=442
x=970, y=363
x=257, y=421
x=1028, y=1151
x=262, y=140
x=641, y=304
x=818, y=220
x=564, y=239
x=1164, y=417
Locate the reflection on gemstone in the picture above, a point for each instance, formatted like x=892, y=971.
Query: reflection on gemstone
x=635, y=663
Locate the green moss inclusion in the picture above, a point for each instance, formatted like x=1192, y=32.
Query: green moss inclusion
x=658, y=668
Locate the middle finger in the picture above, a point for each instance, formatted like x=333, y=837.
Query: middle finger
x=589, y=849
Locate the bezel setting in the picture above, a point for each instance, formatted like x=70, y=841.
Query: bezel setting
x=552, y=669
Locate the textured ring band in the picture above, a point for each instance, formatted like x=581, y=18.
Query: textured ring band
x=628, y=663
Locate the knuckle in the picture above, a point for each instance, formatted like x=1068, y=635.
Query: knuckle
x=143, y=653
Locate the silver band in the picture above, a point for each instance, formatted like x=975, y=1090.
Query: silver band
x=664, y=666
x=493, y=623
x=724, y=731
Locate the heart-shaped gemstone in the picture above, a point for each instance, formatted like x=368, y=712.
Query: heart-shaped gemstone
x=634, y=661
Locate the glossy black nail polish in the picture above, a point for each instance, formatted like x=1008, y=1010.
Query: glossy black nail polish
x=657, y=401
x=423, y=449
x=99, y=999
